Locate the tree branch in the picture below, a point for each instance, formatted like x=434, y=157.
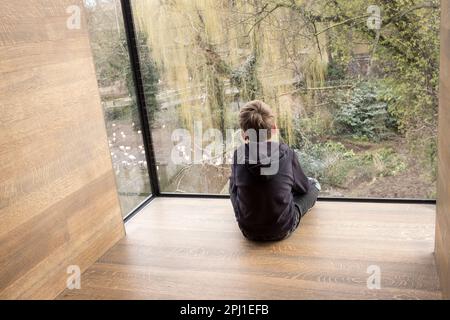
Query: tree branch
x=426, y=5
x=346, y=21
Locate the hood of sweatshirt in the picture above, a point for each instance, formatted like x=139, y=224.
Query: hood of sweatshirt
x=262, y=159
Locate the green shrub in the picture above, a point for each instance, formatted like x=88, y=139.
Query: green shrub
x=335, y=165
x=328, y=162
x=363, y=113
x=118, y=113
x=385, y=162
x=336, y=71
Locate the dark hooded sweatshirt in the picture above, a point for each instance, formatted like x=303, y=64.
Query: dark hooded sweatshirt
x=263, y=200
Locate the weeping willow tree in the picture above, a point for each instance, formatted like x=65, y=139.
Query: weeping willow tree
x=213, y=55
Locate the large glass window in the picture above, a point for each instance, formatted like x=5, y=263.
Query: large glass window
x=116, y=87
x=353, y=86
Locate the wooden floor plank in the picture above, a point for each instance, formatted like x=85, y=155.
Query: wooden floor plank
x=192, y=249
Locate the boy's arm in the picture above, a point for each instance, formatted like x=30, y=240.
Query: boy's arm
x=232, y=187
x=301, y=183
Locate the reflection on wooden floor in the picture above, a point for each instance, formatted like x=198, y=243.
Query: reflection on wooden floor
x=192, y=249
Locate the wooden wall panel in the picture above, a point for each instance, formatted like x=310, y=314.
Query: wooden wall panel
x=443, y=208
x=58, y=200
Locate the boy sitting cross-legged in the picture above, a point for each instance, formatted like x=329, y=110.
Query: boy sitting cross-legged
x=269, y=191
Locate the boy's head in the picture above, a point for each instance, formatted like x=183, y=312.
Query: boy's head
x=258, y=116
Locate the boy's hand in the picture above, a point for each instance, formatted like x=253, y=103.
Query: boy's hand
x=316, y=183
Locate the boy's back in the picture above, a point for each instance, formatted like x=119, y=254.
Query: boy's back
x=264, y=203
x=268, y=188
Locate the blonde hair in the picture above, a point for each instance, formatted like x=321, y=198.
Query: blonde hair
x=258, y=116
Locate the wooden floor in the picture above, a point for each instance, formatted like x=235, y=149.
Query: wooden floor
x=192, y=249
